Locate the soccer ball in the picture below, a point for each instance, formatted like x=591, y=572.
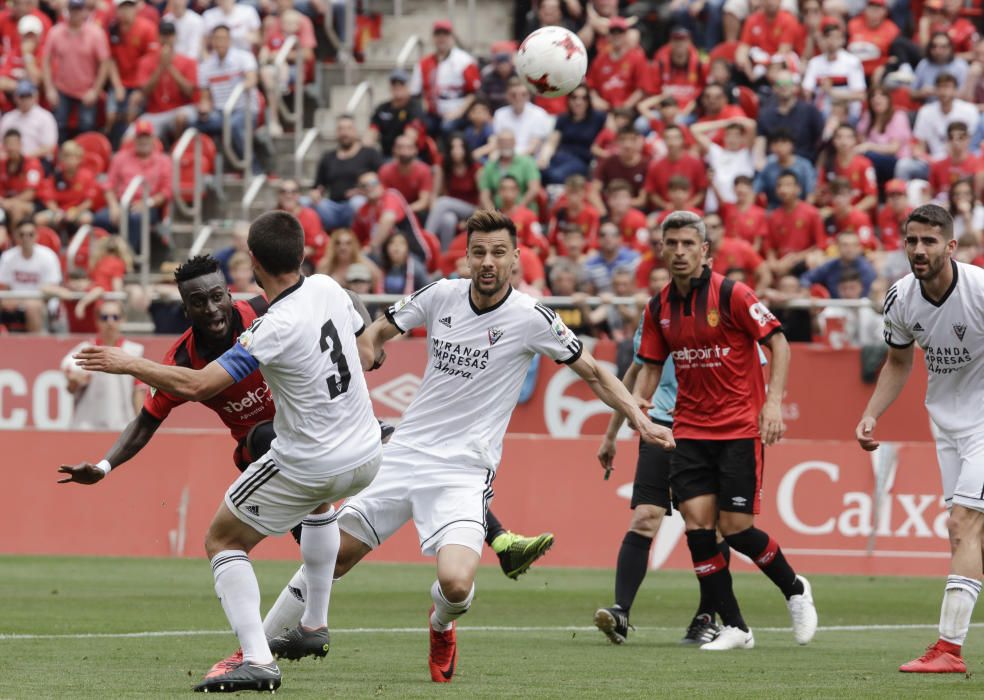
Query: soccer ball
x=552, y=61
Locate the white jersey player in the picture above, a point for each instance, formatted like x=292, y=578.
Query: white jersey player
x=940, y=306
x=327, y=445
x=439, y=465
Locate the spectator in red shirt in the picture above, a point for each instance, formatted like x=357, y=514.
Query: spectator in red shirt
x=771, y=30
x=447, y=80
x=529, y=233
x=630, y=221
x=652, y=258
x=713, y=106
x=796, y=233
x=678, y=72
x=892, y=215
x=76, y=67
x=409, y=175
x=958, y=164
x=69, y=194
x=168, y=82
x=680, y=195
x=132, y=38
x=870, y=36
x=617, y=77
x=384, y=212
x=677, y=162
x=667, y=115
x=574, y=208
x=301, y=58
x=853, y=167
x=744, y=219
x=140, y=158
x=315, y=240
x=20, y=179
x=11, y=31
x=24, y=62
x=729, y=253
x=844, y=217
x=456, y=187
x=627, y=164
x=945, y=16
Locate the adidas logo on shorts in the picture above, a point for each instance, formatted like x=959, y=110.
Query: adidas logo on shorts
x=252, y=510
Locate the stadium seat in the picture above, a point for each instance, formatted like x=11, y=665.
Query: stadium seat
x=98, y=151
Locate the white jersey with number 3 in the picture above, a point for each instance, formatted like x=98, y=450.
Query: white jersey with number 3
x=951, y=333
x=477, y=361
x=305, y=346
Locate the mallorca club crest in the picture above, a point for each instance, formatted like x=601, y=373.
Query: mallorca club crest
x=494, y=335
x=960, y=329
x=713, y=318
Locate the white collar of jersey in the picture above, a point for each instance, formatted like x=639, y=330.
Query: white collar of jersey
x=478, y=311
x=289, y=290
x=948, y=292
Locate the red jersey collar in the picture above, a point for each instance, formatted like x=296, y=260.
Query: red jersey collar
x=695, y=282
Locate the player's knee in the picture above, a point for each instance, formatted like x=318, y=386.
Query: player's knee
x=964, y=526
x=456, y=588
x=733, y=523
x=646, y=520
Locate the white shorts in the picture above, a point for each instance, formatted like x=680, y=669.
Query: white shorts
x=961, y=468
x=447, y=503
x=272, y=502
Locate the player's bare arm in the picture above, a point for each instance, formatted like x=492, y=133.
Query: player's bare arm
x=609, y=389
x=891, y=380
x=379, y=332
x=771, y=426
x=133, y=439
x=191, y=384
x=606, y=453
x=645, y=384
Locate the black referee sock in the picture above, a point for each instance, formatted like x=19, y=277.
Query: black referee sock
x=493, y=528
x=633, y=562
x=714, y=576
x=707, y=605
x=764, y=551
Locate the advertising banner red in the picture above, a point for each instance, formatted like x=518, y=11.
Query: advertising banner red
x=824, y=399
x=819, y=502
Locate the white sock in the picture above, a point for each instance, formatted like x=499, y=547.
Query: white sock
x=446, y=612
x=320, y=541
x=236, y=586
x=286, y=612
x=958, y=606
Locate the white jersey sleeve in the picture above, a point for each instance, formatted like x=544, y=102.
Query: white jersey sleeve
x=548, y=335
x=262, y=341
x=897, y=331
x=415, y=310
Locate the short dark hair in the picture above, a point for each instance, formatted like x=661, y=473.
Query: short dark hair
x=946, y=78
x=788, y=173
x=839, y=185
x=26, y=222
x=198, y=266
x=618, y=185
x=743, y=180
x=276, y=241
x=954, y=127
x=11, y=132
x=627, y=130
x=849, y=274
x=931, y=215
x=679, y=182
x=221, y=27
x=782, y=134
x=489, y=220
x=510, y=178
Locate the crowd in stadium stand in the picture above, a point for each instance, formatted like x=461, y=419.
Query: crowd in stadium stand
x=803, y=132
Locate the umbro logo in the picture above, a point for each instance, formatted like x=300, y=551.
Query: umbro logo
x=959, y=329
x=918, y=327
x=252, y=510
x=446, y=321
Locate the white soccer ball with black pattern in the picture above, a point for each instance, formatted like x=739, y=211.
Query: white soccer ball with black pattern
x=552, y=61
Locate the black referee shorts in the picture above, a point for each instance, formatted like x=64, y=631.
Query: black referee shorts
x=728, y=469
x=652, y=478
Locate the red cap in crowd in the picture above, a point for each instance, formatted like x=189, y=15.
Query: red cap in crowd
x=143, y=128
x=443, y=25
x=878, y=3
x=895, y=187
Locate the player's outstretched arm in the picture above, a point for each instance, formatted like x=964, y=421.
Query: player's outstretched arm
x=380, y=332
x=133, y=439
x=606, y=453
x=610, y=390
x=891, y=379
x=185, y=383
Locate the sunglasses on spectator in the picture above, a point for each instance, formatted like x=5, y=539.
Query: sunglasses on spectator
x=109, y=317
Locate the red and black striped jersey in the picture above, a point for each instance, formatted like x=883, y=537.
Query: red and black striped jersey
x=712, y=335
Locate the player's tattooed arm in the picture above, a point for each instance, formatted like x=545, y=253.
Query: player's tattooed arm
x=609, y=389
x=185, y=383
x=133, y=439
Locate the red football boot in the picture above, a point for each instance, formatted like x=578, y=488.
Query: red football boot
x=226, y=665
x=941, y=657
x=443, y=652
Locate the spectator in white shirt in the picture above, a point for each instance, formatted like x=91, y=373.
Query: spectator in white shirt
x=835, y=74
x=725, y=164
x=529, y=123
x=29, y=267
x=37, y=126
x=218, y=75
x=242, y=20
x=189, y=27
x=930, y=128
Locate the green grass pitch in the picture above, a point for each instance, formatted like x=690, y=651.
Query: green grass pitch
x=527, y=639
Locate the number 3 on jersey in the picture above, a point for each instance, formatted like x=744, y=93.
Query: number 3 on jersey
x=337, y=385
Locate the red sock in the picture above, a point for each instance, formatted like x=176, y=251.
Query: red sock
x=948, y=647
